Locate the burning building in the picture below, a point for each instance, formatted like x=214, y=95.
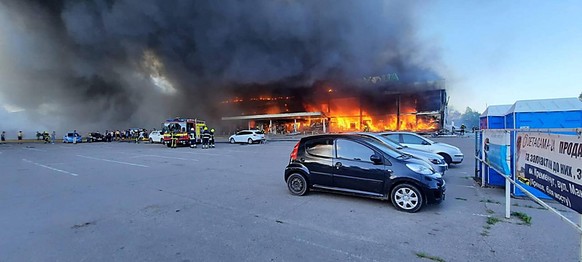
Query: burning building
x=332, y=107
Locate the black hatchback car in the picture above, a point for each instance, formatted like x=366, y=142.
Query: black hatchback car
x=362, y=166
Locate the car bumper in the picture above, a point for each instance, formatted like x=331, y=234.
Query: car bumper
x=436, y=195
x=457, y=159
x=441, y=168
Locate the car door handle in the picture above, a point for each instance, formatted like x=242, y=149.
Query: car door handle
x=338, y=165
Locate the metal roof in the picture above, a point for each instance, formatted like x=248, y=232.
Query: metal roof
x=546, y=105
x=498, y=110
x=273, y=116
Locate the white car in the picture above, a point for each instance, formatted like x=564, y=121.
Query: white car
x=248, y=136
x=156, y=137
x=451, y=154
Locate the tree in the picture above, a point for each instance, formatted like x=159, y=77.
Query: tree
x=470, y=118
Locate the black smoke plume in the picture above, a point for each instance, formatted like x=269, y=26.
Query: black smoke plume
x=97, y=64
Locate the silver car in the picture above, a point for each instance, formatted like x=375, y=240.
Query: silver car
x=437, y=162
x=452, y=154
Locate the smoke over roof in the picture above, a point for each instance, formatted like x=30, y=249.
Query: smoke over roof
x=99, y=64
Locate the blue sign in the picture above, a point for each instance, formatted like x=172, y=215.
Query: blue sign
x=567, y=193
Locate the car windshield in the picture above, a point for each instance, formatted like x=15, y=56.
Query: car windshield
x=389, y=142
x=391, y=152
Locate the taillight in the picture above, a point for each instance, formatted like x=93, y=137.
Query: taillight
x=294, y=152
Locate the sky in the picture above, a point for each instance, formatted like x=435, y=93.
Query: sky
x=489, y=52
x=498, y=52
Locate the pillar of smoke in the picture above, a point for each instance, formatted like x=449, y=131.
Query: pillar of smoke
x=107, y=64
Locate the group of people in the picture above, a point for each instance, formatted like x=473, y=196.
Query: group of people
x=206, y=138
x=20, y=136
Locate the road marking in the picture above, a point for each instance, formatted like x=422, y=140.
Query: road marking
x=168, y=157
x=481, y=215
x=34, y=149
x=200, y=153
x=358, y=257
x=112, y=161
x=51, y=168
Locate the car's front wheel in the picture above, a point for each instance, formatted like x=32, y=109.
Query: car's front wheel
x=406, y=197
x=447, y=158
x=250, y=141
x=297, y=184
x=151, y=140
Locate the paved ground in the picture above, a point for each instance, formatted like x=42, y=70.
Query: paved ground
x=144, y=202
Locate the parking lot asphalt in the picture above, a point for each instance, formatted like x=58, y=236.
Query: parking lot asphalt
x=146, y=202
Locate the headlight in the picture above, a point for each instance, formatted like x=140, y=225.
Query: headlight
x=421, y=169
x=436, y=161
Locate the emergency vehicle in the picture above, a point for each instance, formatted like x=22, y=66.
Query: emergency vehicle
x=182, y=129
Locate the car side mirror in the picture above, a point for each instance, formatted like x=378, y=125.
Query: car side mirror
x=376, y=159
x=425, y=143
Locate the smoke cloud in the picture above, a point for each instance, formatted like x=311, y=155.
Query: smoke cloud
x=97, y=64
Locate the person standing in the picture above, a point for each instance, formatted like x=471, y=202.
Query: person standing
x=20, y=135
x=75, y=136
x=211, y=142
x=192, y=137
x=53, y=137
x=3, y=137
x=205, y=137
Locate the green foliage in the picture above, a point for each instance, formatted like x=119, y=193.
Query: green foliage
x=433, y=258
x=492, y=220
x=523, y=216
x=470, y=118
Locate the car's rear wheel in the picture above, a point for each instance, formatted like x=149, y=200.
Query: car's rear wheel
x=250, y=141
x=297, y=184
x=232, y=140
x=406, y=197
x=161, y=140
x=447, y=158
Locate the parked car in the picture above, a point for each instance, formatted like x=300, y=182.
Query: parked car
x=437, y=162
x=451, y=154
x=95, y=137
x=248, y=136
x=362, y=166
x=156, y=136
x=68, y=138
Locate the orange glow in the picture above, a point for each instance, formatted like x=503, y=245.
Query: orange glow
x=346, y=115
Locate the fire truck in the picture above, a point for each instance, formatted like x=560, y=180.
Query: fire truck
x=182, y=129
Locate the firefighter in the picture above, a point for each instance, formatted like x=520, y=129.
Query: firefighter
x=192, y=136
x=46, y=137
x=174, y=139
x=211, y=142
x=205, y=137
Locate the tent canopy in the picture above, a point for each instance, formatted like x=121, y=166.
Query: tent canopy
x=546, y=105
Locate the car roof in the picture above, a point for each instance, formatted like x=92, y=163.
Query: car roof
x=334, y=136
x=397, y=132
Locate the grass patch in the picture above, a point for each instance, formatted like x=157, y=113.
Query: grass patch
x=460, y=198
x=523, y=217
x=490, y=201
x=487, y=226
x=427, y=256
x=493, y=220
x=485, y=233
